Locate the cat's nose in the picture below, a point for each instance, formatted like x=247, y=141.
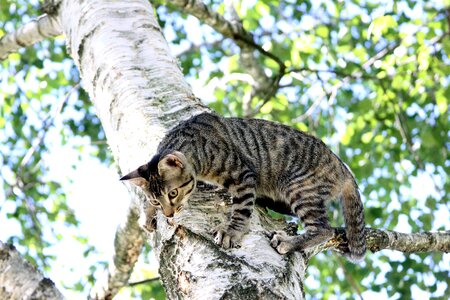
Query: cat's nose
x=168, y=212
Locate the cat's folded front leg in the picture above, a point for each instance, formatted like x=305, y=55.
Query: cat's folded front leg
x=147, y=217
x=243, y=193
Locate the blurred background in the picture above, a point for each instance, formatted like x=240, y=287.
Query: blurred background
x=371, y=78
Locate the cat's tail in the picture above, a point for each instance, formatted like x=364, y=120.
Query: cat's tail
x=353, y=211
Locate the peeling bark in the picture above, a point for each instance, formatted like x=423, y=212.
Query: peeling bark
x=37, y=30
x=20, y=280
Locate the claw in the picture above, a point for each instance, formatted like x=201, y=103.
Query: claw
x=218, y=237
x=227, y=238
x=281, y=242
x=226, y=242
x=274, y=242
x=270, y=234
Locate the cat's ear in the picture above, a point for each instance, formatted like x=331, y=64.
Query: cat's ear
x=172, y=164
x=138, y=177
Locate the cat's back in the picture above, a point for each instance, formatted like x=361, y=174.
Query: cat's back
x=279, y=139
x=199, y=126
x=260, y=140
x=253, y=136
x=276, y=152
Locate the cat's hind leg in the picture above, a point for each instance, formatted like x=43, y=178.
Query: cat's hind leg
x=312, y=212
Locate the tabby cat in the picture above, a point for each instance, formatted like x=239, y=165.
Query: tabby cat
x=292, y=171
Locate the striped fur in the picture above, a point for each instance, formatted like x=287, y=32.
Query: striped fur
x=253, y=158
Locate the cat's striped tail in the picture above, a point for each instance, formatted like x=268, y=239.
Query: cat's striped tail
x=353, y=211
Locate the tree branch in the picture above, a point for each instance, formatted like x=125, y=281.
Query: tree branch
x=263, y=86
x=379, y=239
x=20, y=280
x=337, y=72
x=233, y=30
x=144, y=281
x=247, y=59
x=31, y=33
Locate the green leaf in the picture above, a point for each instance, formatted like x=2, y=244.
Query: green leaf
x=380, y=26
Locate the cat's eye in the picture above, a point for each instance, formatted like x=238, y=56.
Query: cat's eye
x=173, y=193
x=154, y=202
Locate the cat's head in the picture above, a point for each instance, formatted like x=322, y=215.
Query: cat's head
x=167, y=181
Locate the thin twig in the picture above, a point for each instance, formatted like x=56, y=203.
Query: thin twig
x=235, y=30
x=144, y=281
x=331, y=71
x=48, y=122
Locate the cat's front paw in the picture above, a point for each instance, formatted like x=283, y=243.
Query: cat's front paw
x=148, y=224
x=147, y=218
x=282, y=242
x=228, y=238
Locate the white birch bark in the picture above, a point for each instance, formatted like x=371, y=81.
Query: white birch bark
x=139, y=92
x=41, y=28
x=19, y=280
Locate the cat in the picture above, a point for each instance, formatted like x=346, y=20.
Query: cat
x=290, y=170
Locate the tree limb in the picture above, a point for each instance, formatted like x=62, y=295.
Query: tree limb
x=145, y=281
x=264, y=86
x=379, y=239
x=43, y=27
x=20, y=280
x=247, y=59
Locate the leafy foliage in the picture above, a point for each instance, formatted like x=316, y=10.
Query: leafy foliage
x=371, y=78
x=40, y=105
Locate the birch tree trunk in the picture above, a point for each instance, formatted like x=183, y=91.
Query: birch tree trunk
x=20, y=280
x=139, y=93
